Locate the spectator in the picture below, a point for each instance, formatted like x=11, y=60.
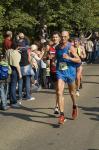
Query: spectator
x=14, y=57
x=7, y=43
x=26, y=68
x=89, y=50
x=35, y=61
x=96, y=53
x=44, y=54
x=5, y=72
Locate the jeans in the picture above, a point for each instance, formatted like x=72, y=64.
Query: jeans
x=89, y=57
x=36, y=75
x=96, y=54
x=27, y=87
x=13, y=84
x=43, y=77
x=3, y=93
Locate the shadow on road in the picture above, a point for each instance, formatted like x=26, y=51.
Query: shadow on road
x=91, y=112
x=52, y=92
x=46, y=92
x=91, y=82
x=93, y=149
x=91, y=75
x=97, y=97
x=28, y=117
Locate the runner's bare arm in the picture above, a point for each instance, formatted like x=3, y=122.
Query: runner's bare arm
x=75, y=57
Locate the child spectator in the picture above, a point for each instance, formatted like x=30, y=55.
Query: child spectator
x=35, y=61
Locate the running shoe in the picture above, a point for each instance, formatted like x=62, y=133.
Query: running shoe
x=5, y=107
x=19, y=101
x=61, y=119
x=56, y=110
x=75, y=112
x=16, y=105
x=77, y=93
x=31, y=99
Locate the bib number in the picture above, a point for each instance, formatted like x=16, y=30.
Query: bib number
x=63, y=66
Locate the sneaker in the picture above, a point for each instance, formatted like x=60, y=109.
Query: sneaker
x=16, y=105
x=5, y=108
x=56, y=110
x=84, y=62
x=77, y=93
x=75, y=112
x=61, y=119
x=31, y=99
x=20, y=101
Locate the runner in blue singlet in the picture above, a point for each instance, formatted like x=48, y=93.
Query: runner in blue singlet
x=66, y=57
x=79, y=68
x=65, y=68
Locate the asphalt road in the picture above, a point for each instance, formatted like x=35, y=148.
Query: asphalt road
x=34, y=126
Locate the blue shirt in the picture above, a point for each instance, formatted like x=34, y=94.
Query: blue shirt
x=59, y=56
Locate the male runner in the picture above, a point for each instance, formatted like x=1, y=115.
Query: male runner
x=55, y=40
x=66, y=57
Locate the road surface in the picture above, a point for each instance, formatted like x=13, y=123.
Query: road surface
x=34, y=126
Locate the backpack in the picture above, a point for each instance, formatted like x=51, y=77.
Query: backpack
x=4, y=70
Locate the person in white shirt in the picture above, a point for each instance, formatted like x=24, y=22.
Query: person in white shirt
x=89, y=50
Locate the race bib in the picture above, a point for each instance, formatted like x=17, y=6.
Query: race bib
x=63, y=66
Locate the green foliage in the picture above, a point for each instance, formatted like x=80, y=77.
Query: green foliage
x=19, y=19
x=73, y=15
x=2, y=10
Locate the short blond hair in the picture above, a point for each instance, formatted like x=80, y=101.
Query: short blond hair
x=34, y=47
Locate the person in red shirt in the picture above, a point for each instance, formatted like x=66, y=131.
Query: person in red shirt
x=7, y=43
x=55, y=41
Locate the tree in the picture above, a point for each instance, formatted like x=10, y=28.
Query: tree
x=2, y=11
x=28, y=15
